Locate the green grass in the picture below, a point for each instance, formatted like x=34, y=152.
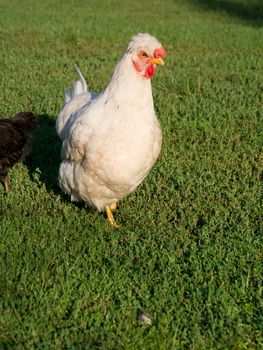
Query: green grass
x=189, y=251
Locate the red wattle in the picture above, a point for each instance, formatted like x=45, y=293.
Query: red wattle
x=150, y=70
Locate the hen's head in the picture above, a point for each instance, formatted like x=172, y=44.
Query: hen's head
x=146, y=52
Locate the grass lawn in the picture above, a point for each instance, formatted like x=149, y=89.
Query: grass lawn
x=189, y=251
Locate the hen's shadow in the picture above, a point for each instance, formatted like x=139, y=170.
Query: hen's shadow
x=45, y=156
x=45, y=153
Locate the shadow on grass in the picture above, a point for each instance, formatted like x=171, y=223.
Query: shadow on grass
x=45, y=154
x=250, y=11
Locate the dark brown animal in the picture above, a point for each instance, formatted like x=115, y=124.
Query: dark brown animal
x=15, y=135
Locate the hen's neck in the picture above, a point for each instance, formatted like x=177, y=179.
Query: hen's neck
x=128, y=87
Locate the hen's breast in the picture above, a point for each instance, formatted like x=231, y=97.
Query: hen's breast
x=121, y=152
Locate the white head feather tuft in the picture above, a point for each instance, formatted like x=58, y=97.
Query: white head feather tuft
x=144, y=42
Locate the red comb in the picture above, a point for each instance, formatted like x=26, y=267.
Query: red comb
x=160, y=53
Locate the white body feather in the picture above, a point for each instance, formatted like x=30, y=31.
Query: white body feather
x=110, y=143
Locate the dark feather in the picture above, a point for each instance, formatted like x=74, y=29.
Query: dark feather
x=15, y=135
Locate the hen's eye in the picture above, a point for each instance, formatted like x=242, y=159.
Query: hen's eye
x=144, y=54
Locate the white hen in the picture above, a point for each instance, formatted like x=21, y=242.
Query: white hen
x=111, y=142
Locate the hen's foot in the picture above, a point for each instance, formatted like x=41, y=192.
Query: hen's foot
x=6, y=183
x=110, y=217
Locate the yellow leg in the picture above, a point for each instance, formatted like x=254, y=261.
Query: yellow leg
x=110, y=217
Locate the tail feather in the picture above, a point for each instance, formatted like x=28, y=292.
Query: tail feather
x=78, y=87
x=75, y=98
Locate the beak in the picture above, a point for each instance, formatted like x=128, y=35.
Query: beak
x=156, y=61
